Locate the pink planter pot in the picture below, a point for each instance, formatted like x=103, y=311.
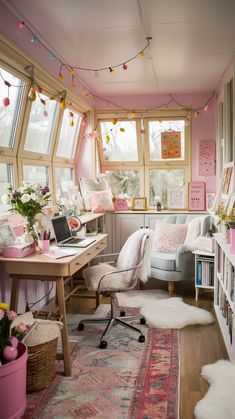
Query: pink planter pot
x=13, y=386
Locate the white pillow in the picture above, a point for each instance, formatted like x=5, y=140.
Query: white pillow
x=194, y=230
x=87, y=185
x=101, y=201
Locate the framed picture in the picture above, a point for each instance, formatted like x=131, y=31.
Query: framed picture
x=139, y=204
x=175, y=197
x=231, y=203
x=210, y=199
x=75, y=197
x=196, y=196
x=226, y=186
x=7, y=237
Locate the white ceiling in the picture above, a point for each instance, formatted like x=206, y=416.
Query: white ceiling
x=192, y=41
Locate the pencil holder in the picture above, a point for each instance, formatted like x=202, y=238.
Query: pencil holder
x=43, y=246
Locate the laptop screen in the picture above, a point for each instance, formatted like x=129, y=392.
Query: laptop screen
x=61, y=228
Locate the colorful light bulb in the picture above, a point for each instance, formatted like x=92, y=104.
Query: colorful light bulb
x=21, y=25
x=52, y=57
x=124, y=66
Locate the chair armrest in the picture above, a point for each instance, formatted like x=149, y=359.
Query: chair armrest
x=183, y=251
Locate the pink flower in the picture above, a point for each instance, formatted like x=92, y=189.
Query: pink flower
x=22, y=327
x=11, y=315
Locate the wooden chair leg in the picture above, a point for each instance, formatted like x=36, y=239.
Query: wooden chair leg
x=171, y=287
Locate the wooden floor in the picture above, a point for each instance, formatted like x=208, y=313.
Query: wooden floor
x=199, y=345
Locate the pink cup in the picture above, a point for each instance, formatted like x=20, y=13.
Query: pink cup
x=44, y=246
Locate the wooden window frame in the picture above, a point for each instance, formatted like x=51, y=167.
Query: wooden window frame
x=105, y=163
x=170, y=115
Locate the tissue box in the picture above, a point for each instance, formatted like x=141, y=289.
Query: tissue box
x=18, y=250
x=206, y=243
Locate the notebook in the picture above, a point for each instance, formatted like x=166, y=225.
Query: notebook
x=63, y=234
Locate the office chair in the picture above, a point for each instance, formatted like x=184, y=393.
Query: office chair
x=132, y=265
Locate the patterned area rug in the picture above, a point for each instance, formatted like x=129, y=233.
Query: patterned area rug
x=128, y=380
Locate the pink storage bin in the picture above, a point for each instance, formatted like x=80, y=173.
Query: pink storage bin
x=13, y=385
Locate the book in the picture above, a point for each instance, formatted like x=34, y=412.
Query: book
x=60, y=253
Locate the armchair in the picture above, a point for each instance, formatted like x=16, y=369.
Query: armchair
x=132, y=265
x=178, y=266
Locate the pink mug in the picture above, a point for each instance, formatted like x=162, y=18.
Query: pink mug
x=44, y=246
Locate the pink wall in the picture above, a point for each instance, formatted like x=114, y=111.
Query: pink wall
x=203, y=127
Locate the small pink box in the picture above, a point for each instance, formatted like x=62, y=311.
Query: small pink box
x=120, y=204
x=18, y=250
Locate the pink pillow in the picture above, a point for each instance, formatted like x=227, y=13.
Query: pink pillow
x=101, y=201
x=169, y=236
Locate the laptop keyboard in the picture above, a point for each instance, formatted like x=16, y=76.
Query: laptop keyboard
x=72, y=241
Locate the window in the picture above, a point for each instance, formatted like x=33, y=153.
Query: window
x=124, y=182
x=64, y=177
x=40, y=128
x=36, y=174
x=9, y=114
x=160, y=180
x=6, y=177
x=120, y=142
x=68, y=134
x=30, y=140
x=155, y=129
x=137, y=163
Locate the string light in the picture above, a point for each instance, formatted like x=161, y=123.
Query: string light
x=85, y=91
x=34, y=39
x=21, y=25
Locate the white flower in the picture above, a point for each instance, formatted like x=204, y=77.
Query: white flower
x=34, y=196
x=25, y=198
x=157, y=199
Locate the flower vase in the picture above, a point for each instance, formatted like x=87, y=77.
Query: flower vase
x=29, y=227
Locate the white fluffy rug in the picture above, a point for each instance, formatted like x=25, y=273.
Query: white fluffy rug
x=219, y=401
x=161, y=311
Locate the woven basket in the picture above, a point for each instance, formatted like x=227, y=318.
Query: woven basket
x=41, y=365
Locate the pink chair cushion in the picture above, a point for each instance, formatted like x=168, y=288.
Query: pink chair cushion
x=169, y=236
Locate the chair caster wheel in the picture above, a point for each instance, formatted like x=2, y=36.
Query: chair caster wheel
x=103, y=344
x=142, y=320
x=141, y=338
x=81, y=326
x=122, y=313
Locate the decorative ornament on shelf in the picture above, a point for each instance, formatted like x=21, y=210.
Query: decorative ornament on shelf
x=28, y=201
x=158, y=203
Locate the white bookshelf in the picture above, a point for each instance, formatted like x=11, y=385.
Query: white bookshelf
x=204, y=271
x=224, y=293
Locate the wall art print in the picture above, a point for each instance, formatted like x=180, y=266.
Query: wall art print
x=206, y=158
x=196, y=196
x=171, y=144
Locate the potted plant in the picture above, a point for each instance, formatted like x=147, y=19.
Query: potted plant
x=223, y=221
x=231, y=223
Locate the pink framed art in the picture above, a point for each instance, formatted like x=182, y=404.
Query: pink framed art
x=196, y=196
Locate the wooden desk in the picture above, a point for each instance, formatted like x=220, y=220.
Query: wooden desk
x=42, y=268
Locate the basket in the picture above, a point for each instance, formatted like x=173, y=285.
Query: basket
x=41, y=365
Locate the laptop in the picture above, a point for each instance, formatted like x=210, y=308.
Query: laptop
x=63, y=234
